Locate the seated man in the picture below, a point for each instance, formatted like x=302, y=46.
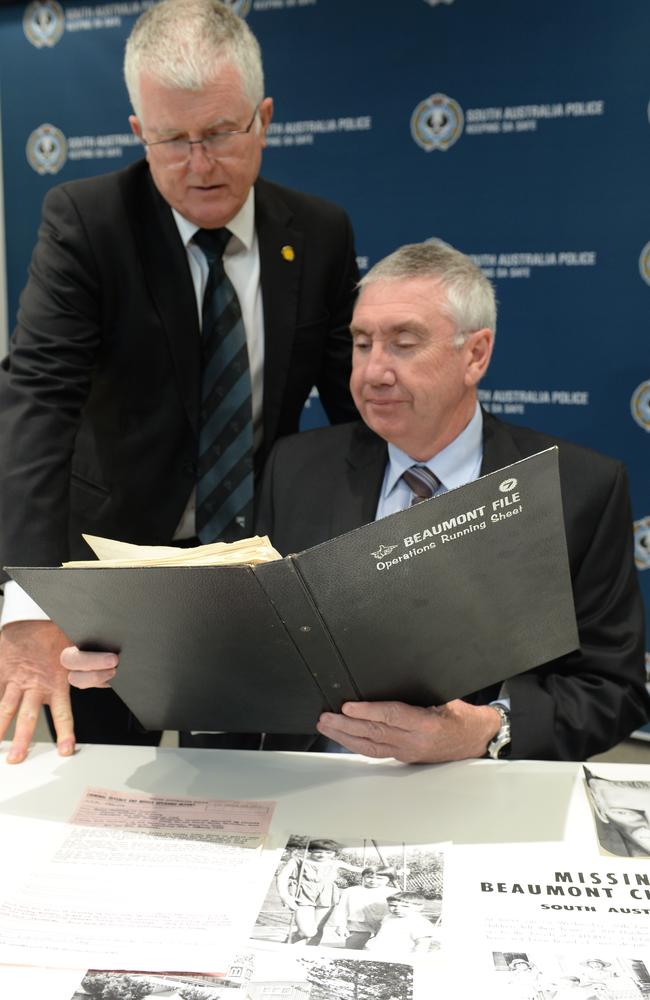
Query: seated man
x=423, y=332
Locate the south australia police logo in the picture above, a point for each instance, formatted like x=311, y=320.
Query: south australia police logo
x=240, y=7
x=508, y=485
x=383, y=551
x=644, y=263
x=640, y=405
x=642, y=543
x=47, y=149
x=437, y=122
x=43, y=23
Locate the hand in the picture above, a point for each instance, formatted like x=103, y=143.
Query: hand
x=89, y=670
x=454, y=731
x=31, y=676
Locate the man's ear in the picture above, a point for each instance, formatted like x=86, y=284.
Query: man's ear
x=266, y=114
x=136, y=127
x=478, y=352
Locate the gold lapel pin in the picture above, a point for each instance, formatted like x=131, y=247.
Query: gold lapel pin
x=288, y=252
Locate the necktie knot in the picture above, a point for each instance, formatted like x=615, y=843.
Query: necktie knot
x=421, y=481
x=212, y=242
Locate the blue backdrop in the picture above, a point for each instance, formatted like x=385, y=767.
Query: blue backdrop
x=516, y=131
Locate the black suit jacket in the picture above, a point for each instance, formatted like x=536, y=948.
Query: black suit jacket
x=99, y=396
x=323, y=483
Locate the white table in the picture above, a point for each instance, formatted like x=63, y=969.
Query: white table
x=327, y=795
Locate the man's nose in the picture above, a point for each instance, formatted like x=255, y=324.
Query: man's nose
x=198, y=159
x=379, y=369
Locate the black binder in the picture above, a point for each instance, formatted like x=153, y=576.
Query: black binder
x=455, y=593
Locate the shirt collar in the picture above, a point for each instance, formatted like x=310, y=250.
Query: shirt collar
x=242, y=226
x=455, y=465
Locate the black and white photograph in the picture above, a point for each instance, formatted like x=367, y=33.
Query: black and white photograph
x=622, y=815
x=367, y=896
x=102, y=985
x=592, y=976
x=261, y=975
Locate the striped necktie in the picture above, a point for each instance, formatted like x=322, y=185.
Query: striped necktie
x=421, y=481
x=224, y=489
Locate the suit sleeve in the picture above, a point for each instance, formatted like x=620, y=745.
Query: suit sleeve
x=588, y=701
x=44, y=382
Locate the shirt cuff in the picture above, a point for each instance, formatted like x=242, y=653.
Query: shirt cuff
x=18, y=606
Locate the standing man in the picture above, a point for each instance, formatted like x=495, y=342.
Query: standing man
x=176, y=317
x=422, y=334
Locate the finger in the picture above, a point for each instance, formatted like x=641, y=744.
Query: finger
x=358, y=736
x=78, y=660
x=26, y=720
x=358, y=744
x=9, y=705
x=61, y=712
x=93, y=679
x=389, y=713
x=375, y=730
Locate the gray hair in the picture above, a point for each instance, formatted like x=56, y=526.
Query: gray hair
x=183, y=44
x=470, y=300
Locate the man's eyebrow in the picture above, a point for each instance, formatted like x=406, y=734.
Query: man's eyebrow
x=403, y=326
x=219, y=123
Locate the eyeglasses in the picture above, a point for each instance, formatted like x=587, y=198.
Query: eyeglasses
x=176, y=152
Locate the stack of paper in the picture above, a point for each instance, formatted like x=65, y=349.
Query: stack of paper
x=110, y=553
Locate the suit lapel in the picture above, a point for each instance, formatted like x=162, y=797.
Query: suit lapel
x=499, y=447
x=168, y=277
x=356, y=493
x=281, y=262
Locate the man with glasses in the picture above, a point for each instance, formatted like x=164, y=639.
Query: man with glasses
x=119, y=416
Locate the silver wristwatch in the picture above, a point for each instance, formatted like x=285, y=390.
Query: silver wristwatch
x=501, y=742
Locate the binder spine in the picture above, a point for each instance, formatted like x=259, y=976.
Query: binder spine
x=286, y=590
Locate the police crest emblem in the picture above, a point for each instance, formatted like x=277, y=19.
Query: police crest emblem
x=47, y=149
x=43, y=23
x=640, y=405
x=642, y=543
x=644, y=263
x=437, y=122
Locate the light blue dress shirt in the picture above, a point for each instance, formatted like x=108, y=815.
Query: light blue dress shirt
x=455, y=465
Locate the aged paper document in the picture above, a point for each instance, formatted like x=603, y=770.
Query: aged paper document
x=143, y=882
x=111, y=553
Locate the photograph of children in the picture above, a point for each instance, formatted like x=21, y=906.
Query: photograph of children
x=361, y=908
x=362, y=896
x=622, y=815
x=531, y=976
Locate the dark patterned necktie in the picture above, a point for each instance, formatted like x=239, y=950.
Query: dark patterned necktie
x=224, y=489
x=421, y=482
